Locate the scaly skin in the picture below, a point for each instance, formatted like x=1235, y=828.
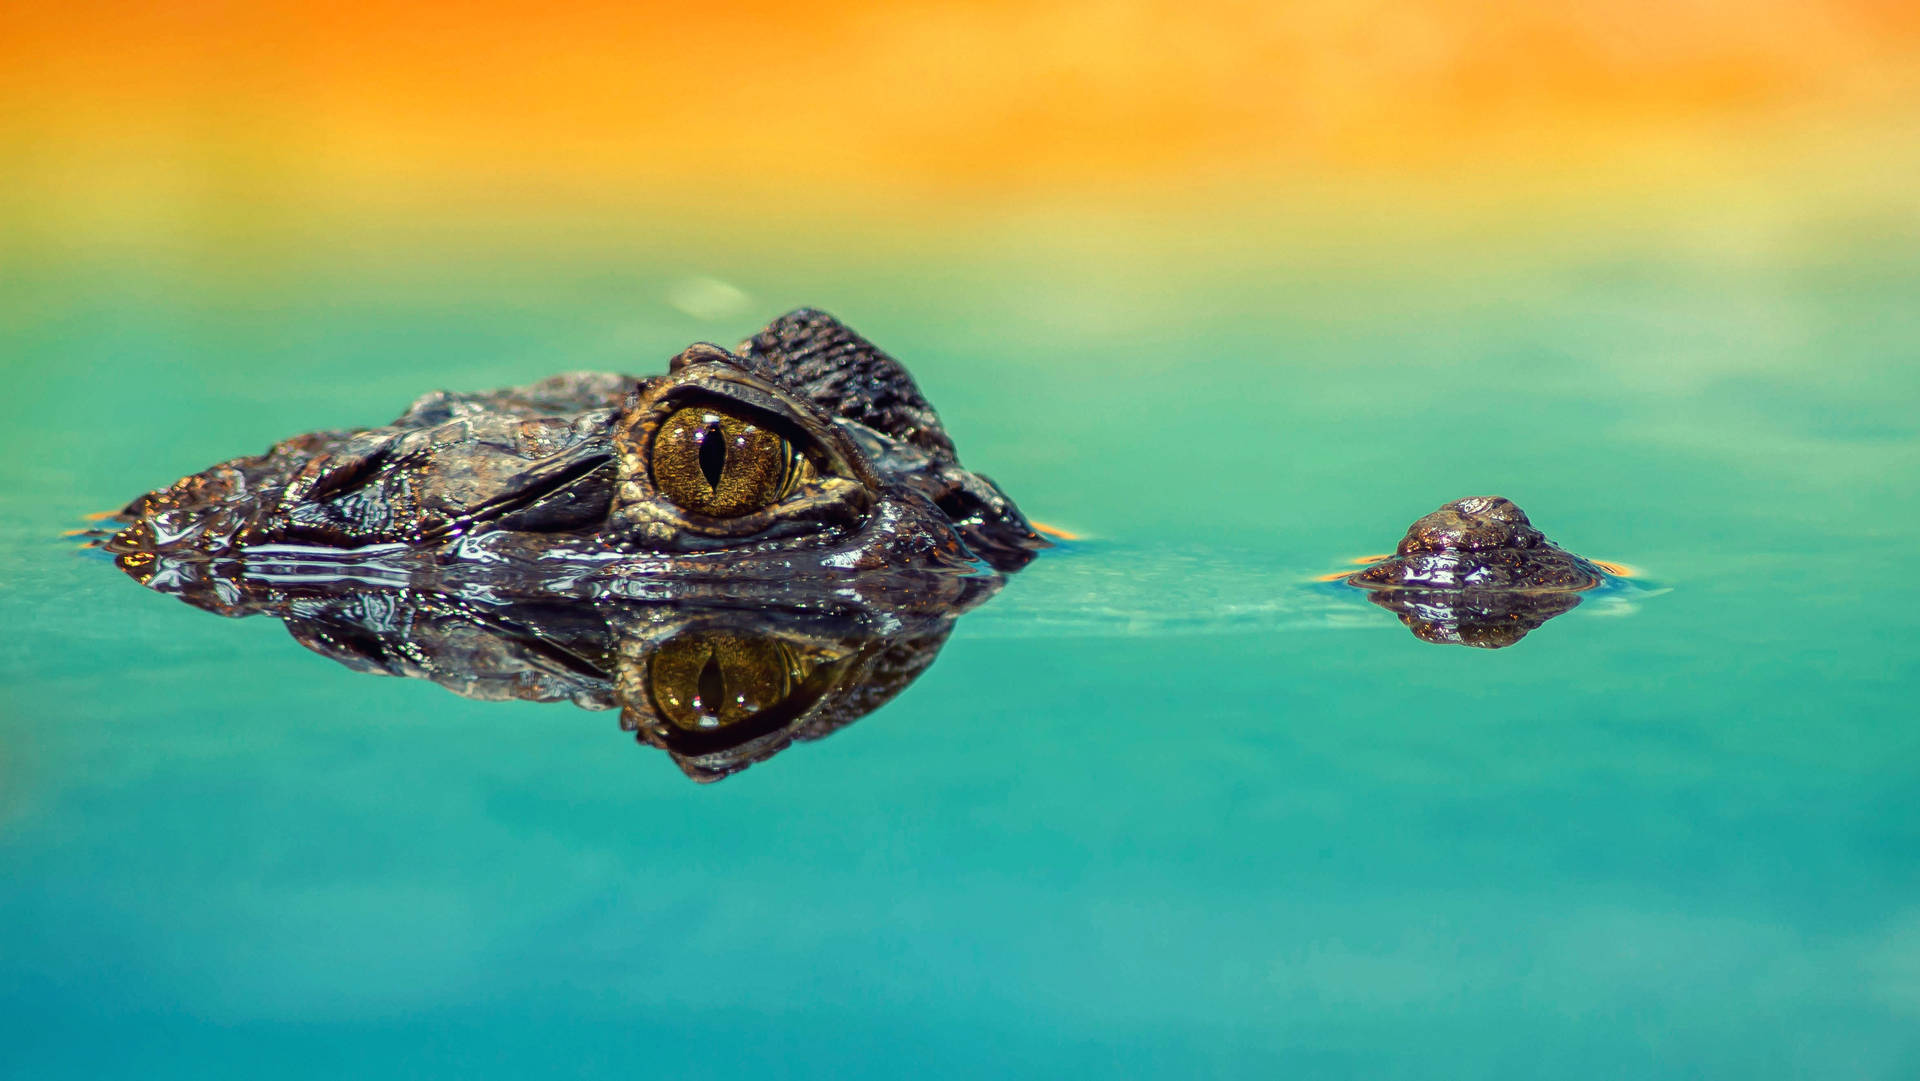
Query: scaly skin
x=1477, y=573
x=521, y=544
x=557, y=474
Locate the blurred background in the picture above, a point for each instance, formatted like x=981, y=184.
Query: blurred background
x=1238, y=290
x=243, y=145
x=357, y=195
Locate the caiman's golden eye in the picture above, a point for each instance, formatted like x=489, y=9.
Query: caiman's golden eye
x=721, y=465
x=706, y=681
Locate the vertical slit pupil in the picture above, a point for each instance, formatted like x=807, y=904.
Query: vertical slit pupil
x=713, y=455
x=713, y=686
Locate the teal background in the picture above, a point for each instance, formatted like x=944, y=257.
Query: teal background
x=1162, y=808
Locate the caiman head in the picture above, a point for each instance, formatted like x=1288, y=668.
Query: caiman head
x=804, y=453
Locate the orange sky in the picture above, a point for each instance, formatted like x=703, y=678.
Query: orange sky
x=978, y=99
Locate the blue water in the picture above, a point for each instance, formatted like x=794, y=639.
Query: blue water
x=1163, y=808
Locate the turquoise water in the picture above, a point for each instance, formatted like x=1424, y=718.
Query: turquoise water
x=1164, y=807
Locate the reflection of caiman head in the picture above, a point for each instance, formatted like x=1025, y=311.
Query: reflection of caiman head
x=1477, y=573
x=807, y=452
x=716, y=685
x=1483, y=618
x=722, y=690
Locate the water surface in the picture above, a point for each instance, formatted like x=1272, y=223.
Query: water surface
x=1164, y=807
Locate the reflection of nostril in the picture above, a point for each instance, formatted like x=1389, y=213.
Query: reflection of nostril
x=713, y=687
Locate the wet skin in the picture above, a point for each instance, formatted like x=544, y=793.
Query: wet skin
x=1477, y=573
x=717, y=682
x=759, y=547
x=806, y=454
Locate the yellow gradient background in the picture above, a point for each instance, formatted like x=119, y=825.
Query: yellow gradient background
x=170, y=123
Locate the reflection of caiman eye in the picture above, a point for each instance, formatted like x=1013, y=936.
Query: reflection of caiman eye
x=704, y=682
x=716, y=463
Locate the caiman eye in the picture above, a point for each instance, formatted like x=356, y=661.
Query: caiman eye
x=703, y=682
x=716, y=463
